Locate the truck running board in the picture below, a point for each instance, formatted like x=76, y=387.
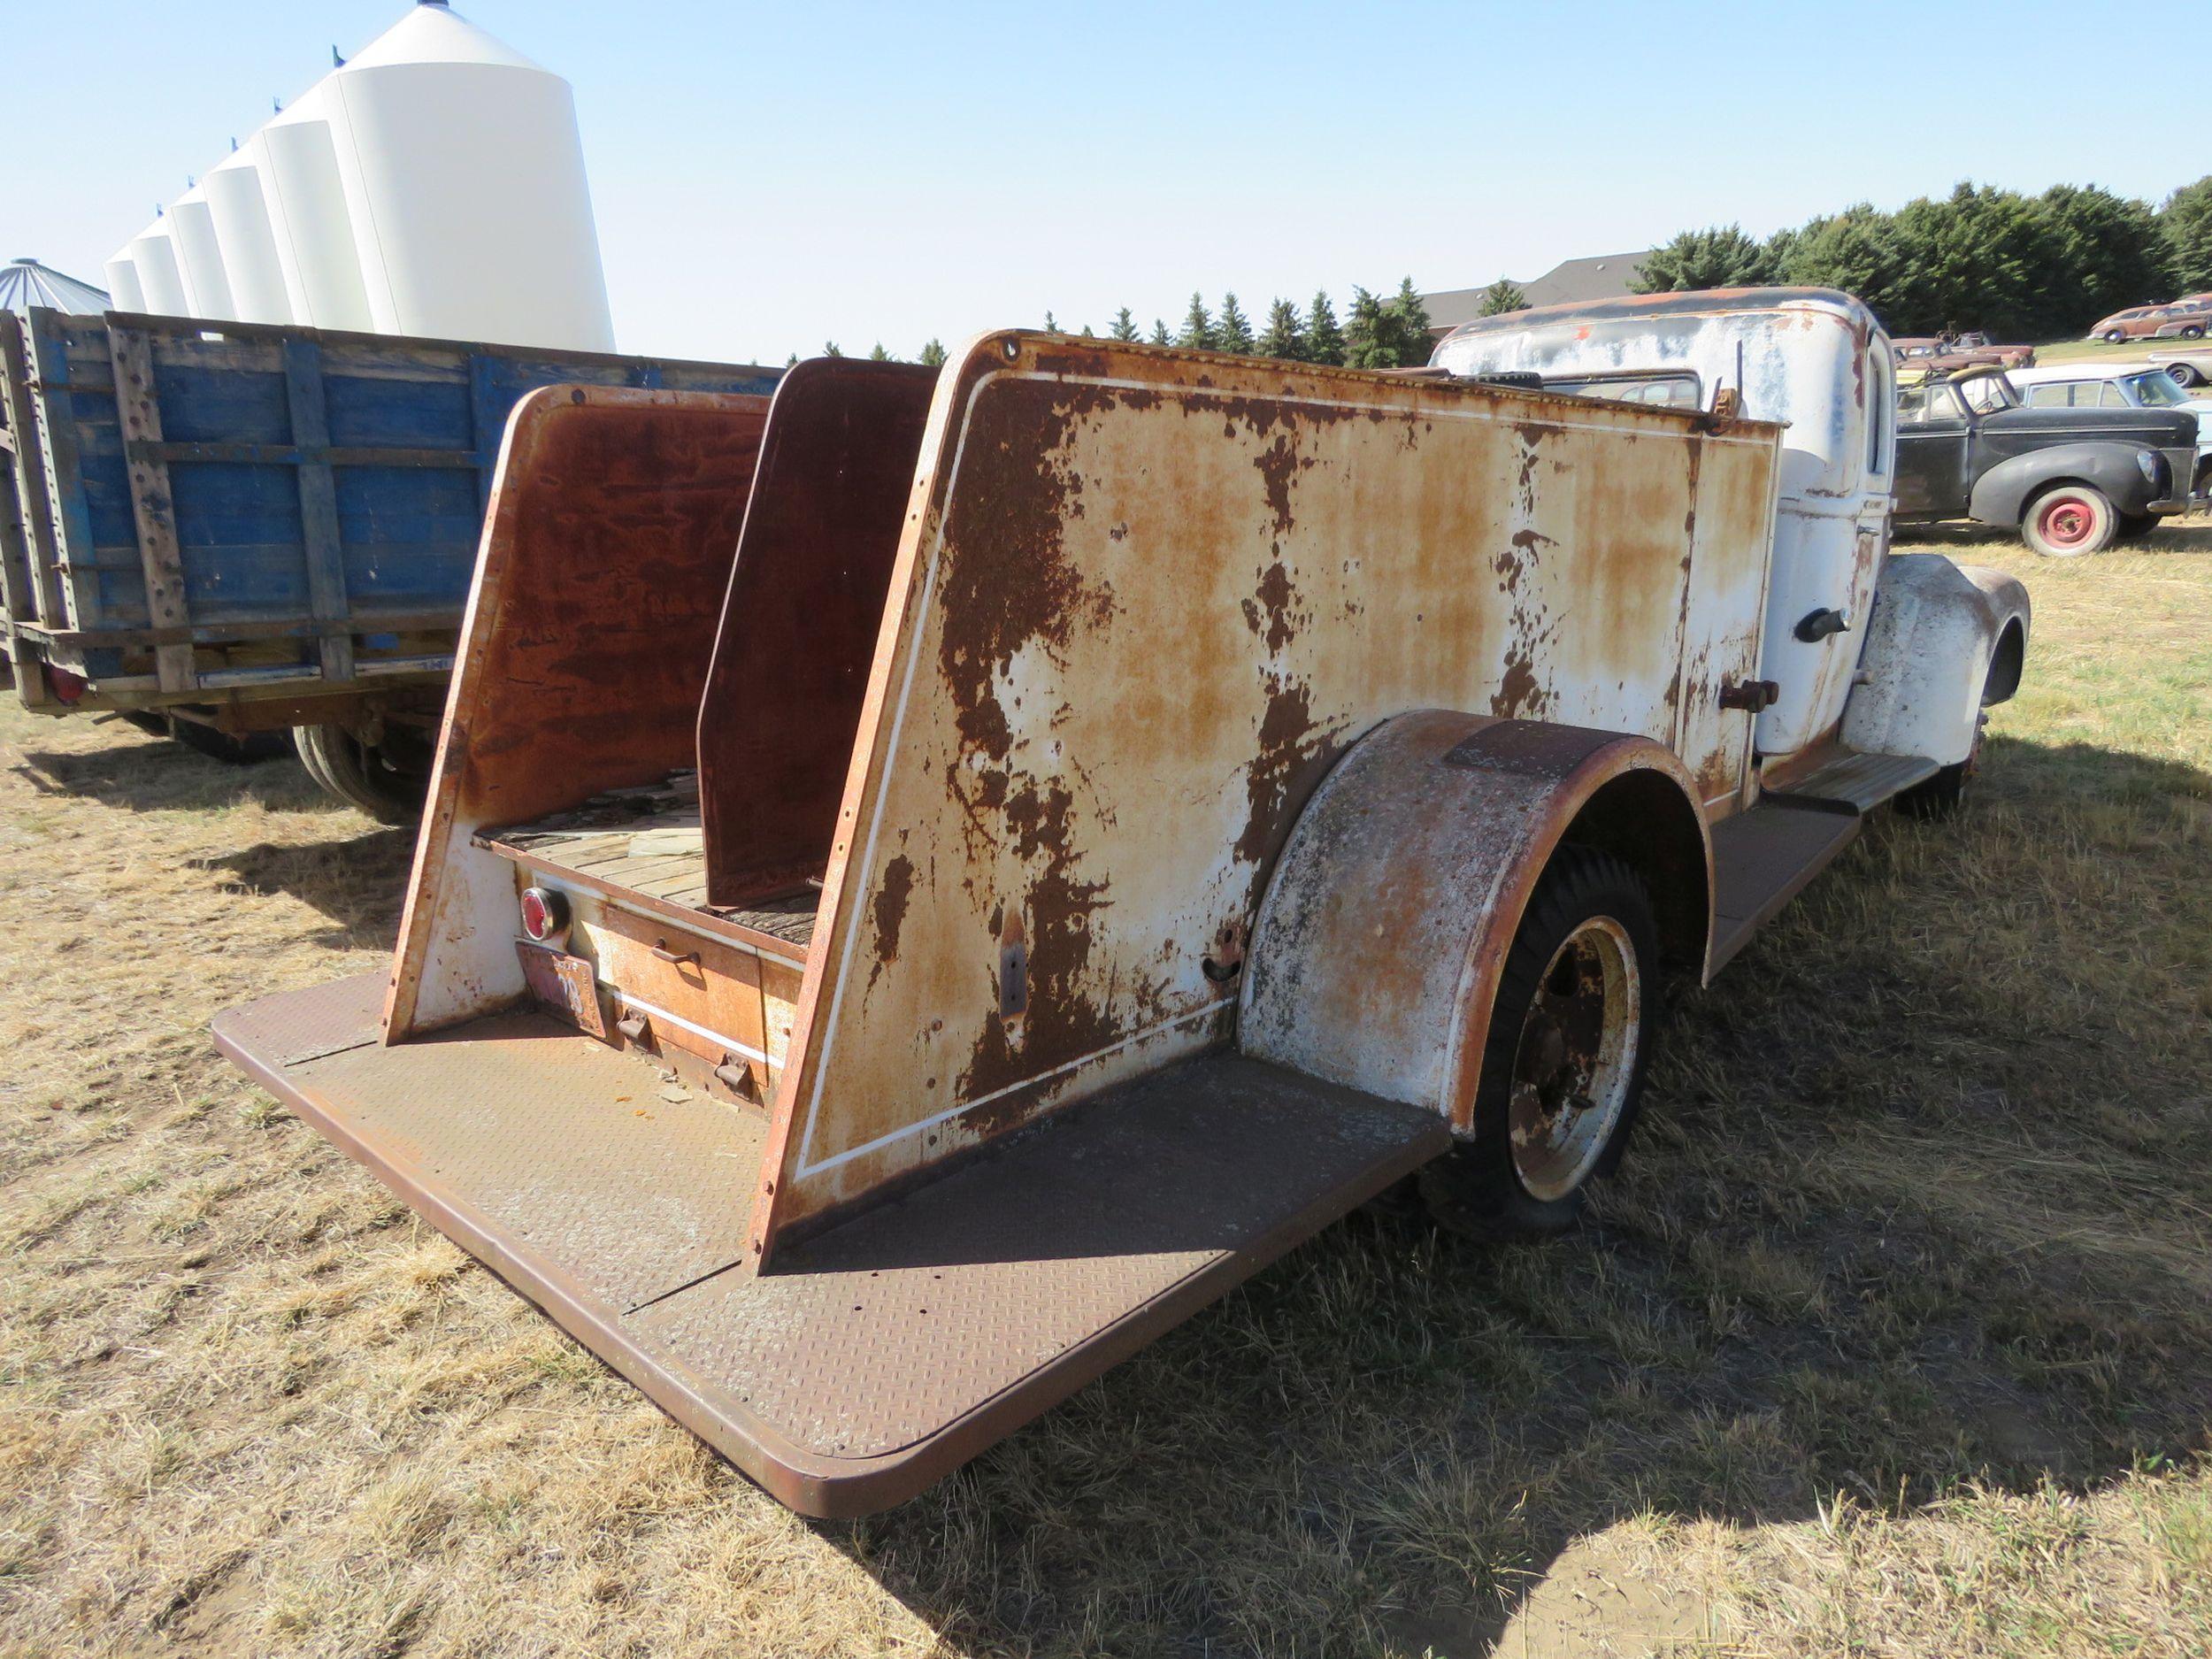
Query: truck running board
x=1857, y=783
x=1763, y=859
x=876, y=1356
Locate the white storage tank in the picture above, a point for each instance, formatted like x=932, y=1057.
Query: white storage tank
x=159, y=278
x=464, y=176
x=247, y=242
x=192, y=229
x=296, y=156
x=123, y=284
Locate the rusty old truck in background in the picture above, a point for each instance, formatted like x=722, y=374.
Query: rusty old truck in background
x=928, y=882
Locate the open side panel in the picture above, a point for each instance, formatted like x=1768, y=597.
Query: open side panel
x=1147, y=598
x=799, y=627
x=614, y=518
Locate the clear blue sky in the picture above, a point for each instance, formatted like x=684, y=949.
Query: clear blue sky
x=766, y=178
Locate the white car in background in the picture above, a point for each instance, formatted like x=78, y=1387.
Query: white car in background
x=2094, y=385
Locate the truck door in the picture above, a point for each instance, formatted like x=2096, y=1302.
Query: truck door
x=1934, y=437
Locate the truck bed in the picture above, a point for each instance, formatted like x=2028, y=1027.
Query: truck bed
x=877, y=1355
x=647, y=841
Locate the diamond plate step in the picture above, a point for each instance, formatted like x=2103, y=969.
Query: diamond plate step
x=877, y=1356
x=1857, y=783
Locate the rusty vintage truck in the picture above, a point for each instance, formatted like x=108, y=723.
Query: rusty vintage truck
x=930, y=881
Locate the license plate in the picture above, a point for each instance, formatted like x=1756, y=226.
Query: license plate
x=565, y=983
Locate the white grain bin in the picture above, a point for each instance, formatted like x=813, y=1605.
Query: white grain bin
x=296, y=156
x=248, y=244
x=192, y=229
x=123, y=284
x=155, y=257
x=464, y=176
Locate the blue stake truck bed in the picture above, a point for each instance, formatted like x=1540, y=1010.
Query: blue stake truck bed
x=226, y=529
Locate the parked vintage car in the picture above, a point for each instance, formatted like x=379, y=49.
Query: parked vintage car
x=2183, y=366
x=2116, y=386
x=2074, y=480
x=1927, y=353
x=2182, y=319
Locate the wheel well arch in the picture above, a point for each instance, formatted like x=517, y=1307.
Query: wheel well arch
x=2006, y=664
x=1643, y=819
x=2037, y=491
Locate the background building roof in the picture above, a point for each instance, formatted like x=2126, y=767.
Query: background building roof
x=25, y=283
x=1602, y=277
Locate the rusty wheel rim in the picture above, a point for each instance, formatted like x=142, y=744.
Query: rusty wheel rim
x=1576, y=1057
x=2067, y=523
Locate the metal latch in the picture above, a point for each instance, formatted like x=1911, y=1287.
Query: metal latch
x=1815, y=626
x=1750, y=696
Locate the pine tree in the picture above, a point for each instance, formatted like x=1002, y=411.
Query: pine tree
x=1502, y=296
x=1721, y=258
x=1198, y=327
x=1087, y=335
x=1413, y=313
x=1124, y=326
x=1283, y=337
x=876, y=353
x=1233, y=331
x=1368, y=343
x=1160, y=335
x=934, y=355
x=791, y=361
x=1051, y=327
x=2186, y=218
x=1325, y=341
x=829, y=349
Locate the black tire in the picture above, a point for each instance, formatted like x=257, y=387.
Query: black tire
x=2193, y=331
x=2071, y=521
x=2183, y=374
x=1483, y=1188
x=1943, y=794
x=249, y=750
x=377, y=781
x=2116, y=336
x=2135, y=525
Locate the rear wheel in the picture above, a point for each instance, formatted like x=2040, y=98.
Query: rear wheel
x=2193, y=331
x=1562, y=1070
x=2070, y=520
x=2183, y=374
x=2116, y=336
x=386, y=781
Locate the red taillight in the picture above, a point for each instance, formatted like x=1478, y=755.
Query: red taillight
x=544, y=914
x=66, y=687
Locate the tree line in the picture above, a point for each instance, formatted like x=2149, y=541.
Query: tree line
x=2020, y=267
x=1375, y=333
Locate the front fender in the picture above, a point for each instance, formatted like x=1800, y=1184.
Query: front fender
x=2002, y=495
x=1375, y=956
x=1944, y=642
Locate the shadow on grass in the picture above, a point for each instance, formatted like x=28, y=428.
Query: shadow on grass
x=357, y=881
x=1920, y=1200
x=143, y=774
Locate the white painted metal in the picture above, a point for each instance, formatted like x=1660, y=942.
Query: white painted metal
x=1936, y=627
x=1814, y=359
x=207, y=282
x=296, y=157
x=243, y=231
x=123, y=285
x=464, y=180
x=154, y=256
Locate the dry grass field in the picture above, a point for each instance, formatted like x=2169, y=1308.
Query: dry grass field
x=1894, y=1338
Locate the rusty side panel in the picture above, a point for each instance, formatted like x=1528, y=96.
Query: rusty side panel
x=613, y=520
x=799, y=627
x=1151, y=596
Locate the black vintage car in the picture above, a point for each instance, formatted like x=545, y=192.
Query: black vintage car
x=2073, y=481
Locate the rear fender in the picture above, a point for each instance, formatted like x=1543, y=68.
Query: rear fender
x=2002, y=495
x=1375, y=959
x=1944, y=642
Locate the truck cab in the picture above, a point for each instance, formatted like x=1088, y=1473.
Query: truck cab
x=927, y=885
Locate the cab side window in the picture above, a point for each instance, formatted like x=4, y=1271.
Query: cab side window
x=2049, y=396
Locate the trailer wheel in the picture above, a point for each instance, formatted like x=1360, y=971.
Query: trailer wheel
x=386, y=782
x=1563, y=1068
x=2070, y=520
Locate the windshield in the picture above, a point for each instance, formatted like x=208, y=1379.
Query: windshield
x=1671, y=388
x=1984, y=393
x=2153, y=389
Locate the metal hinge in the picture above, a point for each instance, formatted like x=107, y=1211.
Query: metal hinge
x=1750, y=696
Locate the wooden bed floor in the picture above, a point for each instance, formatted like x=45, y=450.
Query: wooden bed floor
x=648, y=840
